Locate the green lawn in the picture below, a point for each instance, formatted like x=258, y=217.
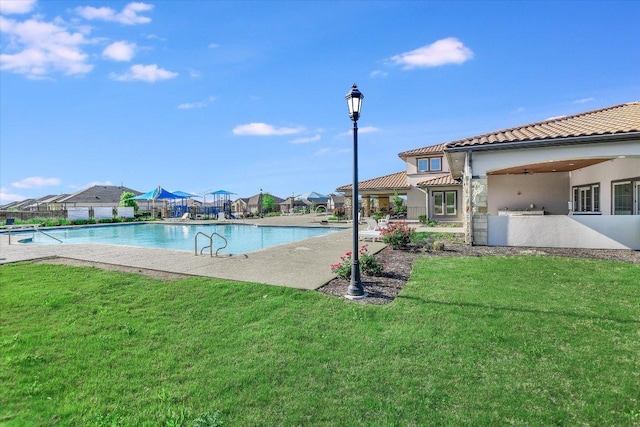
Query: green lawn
x=470, y=341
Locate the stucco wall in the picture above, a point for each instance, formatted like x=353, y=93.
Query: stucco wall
x=604, y=174
x=517, y=192
x=593, y=232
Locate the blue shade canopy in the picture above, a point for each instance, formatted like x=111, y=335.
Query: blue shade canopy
x=221, y=193
x=157, y=194
x=185, y=195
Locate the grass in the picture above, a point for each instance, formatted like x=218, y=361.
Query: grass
x=469, y=341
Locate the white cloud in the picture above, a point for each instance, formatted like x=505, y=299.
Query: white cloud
x=128, y=16
x=378, y=74
x=42, y=48
x=305, y=140
x=583, y=100
x=36, y=182
x=191, y=106
x=8, y=7
x=146, y=73
x=263, y=129
x=322, y=152
x=368, y=129
x=365, y=129
x=213, y=45
x=441, y=52
x=199, y=104
x=7, y=197
x=120, y=51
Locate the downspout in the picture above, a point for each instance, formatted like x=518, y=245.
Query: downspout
x=467, y=177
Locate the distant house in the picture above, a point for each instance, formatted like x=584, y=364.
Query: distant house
x=572, y=181
x=239, y=206
x=47, y=203
x=96, y=196
x=255, y=203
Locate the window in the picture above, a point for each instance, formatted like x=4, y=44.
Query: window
x=626, y=197
x=444, y=203
x=586, y=198
x=622, y=198
x=430, y=164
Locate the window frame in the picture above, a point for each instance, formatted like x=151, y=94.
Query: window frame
x=444, y=208
x=592, y=194
x=634, y=196
x=429, y=165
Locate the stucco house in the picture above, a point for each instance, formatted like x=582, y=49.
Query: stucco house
x=572, y=181
x=427, y=183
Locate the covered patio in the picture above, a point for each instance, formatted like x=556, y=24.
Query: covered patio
x=556, y=187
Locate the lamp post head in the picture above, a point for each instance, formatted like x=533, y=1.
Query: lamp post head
x=354, y=102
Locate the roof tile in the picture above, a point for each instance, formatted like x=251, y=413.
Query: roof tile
x=394, y=181
x=623, y=118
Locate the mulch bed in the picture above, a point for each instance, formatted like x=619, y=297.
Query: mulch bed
x=398, y=265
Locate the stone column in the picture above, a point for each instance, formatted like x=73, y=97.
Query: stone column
x=479, y=210
x=347, y=206
x=366, y=205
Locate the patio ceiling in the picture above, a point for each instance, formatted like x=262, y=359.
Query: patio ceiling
x=548, y=167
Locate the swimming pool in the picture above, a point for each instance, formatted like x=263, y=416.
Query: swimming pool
x=240, y=238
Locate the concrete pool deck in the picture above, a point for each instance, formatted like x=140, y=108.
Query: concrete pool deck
x=303, y=264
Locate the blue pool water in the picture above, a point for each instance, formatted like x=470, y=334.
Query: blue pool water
x=241, y=238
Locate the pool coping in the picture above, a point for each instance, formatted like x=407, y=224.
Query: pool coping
x=303, y=264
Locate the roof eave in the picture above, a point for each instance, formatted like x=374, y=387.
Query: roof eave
x=589, y=139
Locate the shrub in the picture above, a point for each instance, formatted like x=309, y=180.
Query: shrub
x=422, y=219
x=369, y=265
x=397, y=235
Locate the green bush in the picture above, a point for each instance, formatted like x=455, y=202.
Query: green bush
x=422, y=219
x=397, y=235
x=369, y=265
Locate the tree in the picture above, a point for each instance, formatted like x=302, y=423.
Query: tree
x=125, y=200
x=268, y=203
x=398, y=205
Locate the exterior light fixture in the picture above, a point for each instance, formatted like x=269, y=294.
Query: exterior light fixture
x=354, y=102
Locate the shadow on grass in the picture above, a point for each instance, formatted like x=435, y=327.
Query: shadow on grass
x=517, y=310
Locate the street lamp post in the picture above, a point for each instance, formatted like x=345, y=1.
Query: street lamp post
x=354, y=102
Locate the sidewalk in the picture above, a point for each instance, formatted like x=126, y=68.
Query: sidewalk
x=303, y=264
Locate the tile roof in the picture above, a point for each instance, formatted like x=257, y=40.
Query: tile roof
x=393, y=181
x=432, y=149
x=446, y=179
x=618, y=119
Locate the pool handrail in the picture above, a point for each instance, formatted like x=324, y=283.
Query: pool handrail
x=210, y=246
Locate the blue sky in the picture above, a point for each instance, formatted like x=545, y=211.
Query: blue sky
x=243, y=96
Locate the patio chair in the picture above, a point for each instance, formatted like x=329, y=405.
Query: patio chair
x=372, y=232
x=184, y=217
x=383, y=222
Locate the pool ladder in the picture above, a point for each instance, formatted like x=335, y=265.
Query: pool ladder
x=210, y=245
x=35, y=228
